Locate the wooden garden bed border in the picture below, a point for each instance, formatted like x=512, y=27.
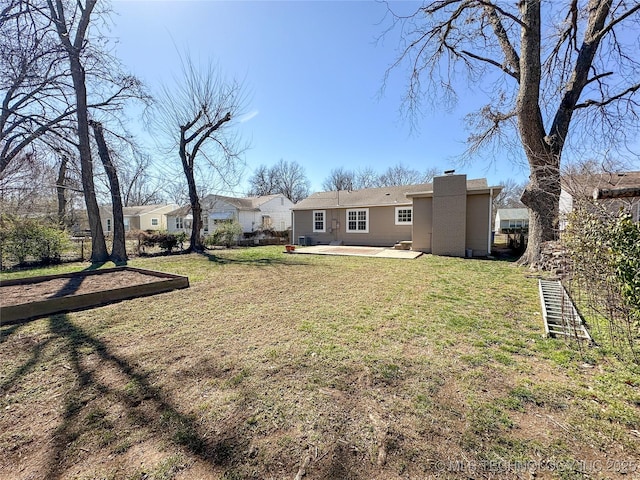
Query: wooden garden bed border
x=17, y=313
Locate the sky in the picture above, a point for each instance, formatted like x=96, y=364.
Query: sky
x=314, y=73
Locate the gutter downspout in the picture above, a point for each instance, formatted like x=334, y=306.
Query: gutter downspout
x=490, y=215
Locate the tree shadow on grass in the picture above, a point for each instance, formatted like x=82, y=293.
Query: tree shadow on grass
x=145, y=405
x=259, y=262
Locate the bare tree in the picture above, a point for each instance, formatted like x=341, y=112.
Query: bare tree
x=262, y=182
x=32, y=80
x=339, y=179
x=399, y=175
x=509, y=196
x=119, y=250
x=286, y=178
x=365, y=177
x=196, y=116
x=138, y=185
x=292, y=180
x=570, y=66
x=72, y=36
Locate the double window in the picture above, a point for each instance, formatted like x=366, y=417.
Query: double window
x=179, y=223
x=404, y=215
x=319, y=220
x=358, y=220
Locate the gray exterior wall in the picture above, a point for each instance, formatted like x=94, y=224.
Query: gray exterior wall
x=422, y=224
x=383, y=232
x=449, y=215
x=478, y=222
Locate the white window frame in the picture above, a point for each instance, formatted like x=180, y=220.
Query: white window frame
x=127, y=223
x=179, y=223
x=404, y=222
x=357, y=211
x=324, y=220
x=155, y=222
x=108, y=225
x=205, y=223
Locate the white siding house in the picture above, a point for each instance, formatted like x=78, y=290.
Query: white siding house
x=269, y=212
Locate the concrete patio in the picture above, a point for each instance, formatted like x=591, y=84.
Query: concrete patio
x=379, y=252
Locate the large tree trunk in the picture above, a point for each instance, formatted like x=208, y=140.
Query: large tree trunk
x=542, y=194
x=99, y=252
x=119, y=250
x=60, y=189
x=542, y=197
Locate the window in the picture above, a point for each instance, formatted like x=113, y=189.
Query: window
x=127, y=224
x=179, y=223
x=404, y=215
x=108, y=224
x=205, y=223
x=319, y=220
x=358, y=221
x=154, y=222
x=266, y=221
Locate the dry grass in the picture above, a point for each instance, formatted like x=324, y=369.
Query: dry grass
x=287, y=366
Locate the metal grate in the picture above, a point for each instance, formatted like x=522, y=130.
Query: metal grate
x=559, y=313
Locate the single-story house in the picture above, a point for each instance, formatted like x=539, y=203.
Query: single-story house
x=451, y=216
x=512, y=220
x=267, y=212
x=143, y=217
x=580, y=188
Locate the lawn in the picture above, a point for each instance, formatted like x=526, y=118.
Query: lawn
x=276, y=366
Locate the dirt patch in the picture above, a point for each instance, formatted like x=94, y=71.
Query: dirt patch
x=65, y=287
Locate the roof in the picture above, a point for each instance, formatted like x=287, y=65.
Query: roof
x=245, y=203
x=513, y=213
x=137, y=210
x=373, y=197
x=587, y=183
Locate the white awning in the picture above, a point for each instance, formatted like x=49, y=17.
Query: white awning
x=221, y=215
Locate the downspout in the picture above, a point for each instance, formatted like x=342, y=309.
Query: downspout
x=293, y=226
x=490, y=215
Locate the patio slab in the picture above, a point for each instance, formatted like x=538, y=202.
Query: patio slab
x=379, y=252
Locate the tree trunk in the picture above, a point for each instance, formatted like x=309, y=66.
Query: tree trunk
x=60, y=189
x=99, y=252
x=195, y=242
x=119, y=250
x=542, y=197
x=542, y=194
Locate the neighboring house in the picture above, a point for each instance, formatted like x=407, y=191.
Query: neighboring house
x=144, y=217
x=580, y=188
x=512, y=220
x=452, y=216
x=268, y=212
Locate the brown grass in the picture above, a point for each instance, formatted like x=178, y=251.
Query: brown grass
x=314, y=367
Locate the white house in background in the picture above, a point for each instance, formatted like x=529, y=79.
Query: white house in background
x=512, y=220
x=268, y=212
x=142, y=217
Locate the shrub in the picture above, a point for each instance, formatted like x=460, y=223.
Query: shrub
x=29, y=238
x=604, y=250
x=164, y=240
x=226, y=234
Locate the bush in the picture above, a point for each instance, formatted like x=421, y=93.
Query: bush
x=23, y=239
x=226, y=234
x=164, y=240
x=604, y=250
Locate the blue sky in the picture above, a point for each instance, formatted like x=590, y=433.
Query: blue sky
x=314, y=73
